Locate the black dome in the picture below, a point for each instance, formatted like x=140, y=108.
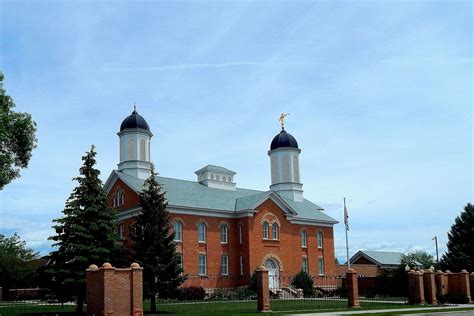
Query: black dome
x=134, y=120
x=283, y=139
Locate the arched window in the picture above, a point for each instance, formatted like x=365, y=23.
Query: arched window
x=212, y=176
x=217, y=177
x=131, y=149
x=178, y=231
x=265, y=228
x=320, y=240
x=118, y=198
x=304, y=238
x=296, y=170
x=275, y=232
x=142, y=150
x=224, y=231
x=201, y=232
x=285, y=167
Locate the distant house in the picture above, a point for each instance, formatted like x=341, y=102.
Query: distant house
x=372, y=263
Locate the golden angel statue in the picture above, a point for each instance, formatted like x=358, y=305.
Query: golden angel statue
x=282, y=119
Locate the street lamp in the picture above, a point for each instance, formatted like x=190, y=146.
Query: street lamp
x=436, y=243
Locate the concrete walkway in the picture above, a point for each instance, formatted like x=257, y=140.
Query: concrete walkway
x=427, y=311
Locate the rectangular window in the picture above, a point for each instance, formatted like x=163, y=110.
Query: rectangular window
x=304, y=265
x=241, y=234
x=321, y=266
x=202, y=264
x=225, y=265
x=241, y=265
x=121, y=231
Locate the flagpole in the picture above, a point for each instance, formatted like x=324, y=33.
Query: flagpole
x=347, y=240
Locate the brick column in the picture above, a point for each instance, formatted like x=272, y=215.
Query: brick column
x=464, y=283
x=137, y=289
x=263, y=292
x=352, y=289
x=429, y=287
x=114, y=292
x=471, y=285
x=441, y=280
x=415, y=283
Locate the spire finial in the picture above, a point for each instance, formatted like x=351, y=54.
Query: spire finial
x=282, y=119
x=134, y=107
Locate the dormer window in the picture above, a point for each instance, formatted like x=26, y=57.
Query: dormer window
x=216, y=177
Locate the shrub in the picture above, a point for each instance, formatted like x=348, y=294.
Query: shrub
x=191, y=293
x=341, y=292
x=457, y=298
x=303, y=281
x=244, y=293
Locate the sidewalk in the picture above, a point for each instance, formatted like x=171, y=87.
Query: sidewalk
x=428, y=311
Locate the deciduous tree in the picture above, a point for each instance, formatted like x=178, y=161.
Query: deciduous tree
x=17, y=138
x=16, y=268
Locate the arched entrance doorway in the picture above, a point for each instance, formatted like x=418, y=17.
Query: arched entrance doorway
x=273, y=274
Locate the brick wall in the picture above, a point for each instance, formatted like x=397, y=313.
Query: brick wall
x=287, y=250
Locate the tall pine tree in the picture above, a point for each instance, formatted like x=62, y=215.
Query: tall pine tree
x=460, y=253
x=84, y=235
x=153, y=245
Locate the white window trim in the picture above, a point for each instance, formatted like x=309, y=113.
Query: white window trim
x=201, y=224
x=180, y=239
x=277, y=231
x=321, y=266
x=303, y=267
x=201, y=255
x=320, y=240
x=226, y=265
x=226, y=234
x=305, y=239
x=265, y=231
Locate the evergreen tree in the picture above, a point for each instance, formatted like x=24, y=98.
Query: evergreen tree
x=84, y=235
x=460, y=253
x=153, y=244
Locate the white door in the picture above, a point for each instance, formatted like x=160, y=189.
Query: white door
x=273, y=274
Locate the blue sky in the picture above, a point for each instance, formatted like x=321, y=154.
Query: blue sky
x=379, y=96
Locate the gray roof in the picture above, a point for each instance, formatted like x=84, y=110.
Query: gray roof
x=382, y=257
x=215, y=169
x=185, y=193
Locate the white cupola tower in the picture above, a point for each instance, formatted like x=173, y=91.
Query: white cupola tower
x=135, y=136
x=284, y=159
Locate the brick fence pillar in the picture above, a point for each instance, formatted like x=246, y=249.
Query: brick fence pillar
x=114, y=292
x=464, y=283
x=429, y=287
x=263, y=292
x=352, y=289
x=441, y=280
x=471, y=285
x=416, y=291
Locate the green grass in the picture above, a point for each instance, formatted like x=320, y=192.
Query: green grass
x=14, y=309
x=215, y=308
x=432, y=310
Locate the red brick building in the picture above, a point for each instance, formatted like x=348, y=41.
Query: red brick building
x=221, y=229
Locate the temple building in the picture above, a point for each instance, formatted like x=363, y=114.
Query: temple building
x=220, y=228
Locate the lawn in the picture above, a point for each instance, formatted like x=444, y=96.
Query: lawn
x=214, y=308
